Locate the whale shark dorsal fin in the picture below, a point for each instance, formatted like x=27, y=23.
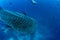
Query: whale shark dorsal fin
x=23, y=12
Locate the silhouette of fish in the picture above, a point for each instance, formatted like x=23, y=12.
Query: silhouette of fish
x=34, y=2
x=18, y=21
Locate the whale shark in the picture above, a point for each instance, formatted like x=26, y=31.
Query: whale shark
x=18, y=21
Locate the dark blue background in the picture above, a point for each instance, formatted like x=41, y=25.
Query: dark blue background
x=46, y=12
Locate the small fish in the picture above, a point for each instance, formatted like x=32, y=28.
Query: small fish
x=18, y=21
x=34, y=2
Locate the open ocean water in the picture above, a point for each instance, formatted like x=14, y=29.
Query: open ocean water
x=45, y=12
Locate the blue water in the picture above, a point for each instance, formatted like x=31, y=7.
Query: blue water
x=46, y=12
